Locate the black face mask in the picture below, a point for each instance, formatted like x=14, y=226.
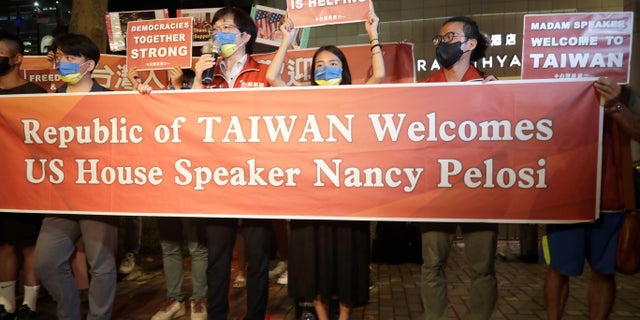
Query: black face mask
x=448, y=54
x=4, y=65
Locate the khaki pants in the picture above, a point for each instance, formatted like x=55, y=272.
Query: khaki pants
x=480, y=241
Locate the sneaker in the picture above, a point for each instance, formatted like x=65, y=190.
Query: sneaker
x=199, y=309
x=284, y=278
x=5, y=315
x=25, y=313
x=172, y=309
x=278, y=270
x=128, y=263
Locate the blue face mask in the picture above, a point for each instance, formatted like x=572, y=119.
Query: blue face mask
x=225, y=37
x=227, y=41
x=328, y=75
x=66, y=68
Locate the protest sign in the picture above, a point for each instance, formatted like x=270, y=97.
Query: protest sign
x=117, y=25
x=307, y=13
x=160, y=44
x=111, y=72
x=577, y=45
x=202, y=27
x=268, y=22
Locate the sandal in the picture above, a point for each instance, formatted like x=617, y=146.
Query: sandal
x=239, y=282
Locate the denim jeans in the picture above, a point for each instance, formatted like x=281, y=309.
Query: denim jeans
x=56, y=244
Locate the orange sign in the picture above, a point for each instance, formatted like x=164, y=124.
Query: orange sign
x=111, y=71
x=398, y=64
x=391, y=152
x=306, y=13
x=159, y=44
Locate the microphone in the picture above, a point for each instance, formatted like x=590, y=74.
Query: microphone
x=212, y=48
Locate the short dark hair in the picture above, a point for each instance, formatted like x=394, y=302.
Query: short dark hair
x=77, y=45
x=471, y=31
x=242, y=20
x=13, y=42
x=188, y=75
x=346, y=74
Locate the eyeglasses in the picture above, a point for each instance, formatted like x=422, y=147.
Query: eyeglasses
x=223, y=28
x=447, y=38
x=60, y=56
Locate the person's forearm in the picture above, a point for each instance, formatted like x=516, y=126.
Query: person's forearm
x=377, y=59
x=273, y=72
x=628, y=121
x=197, y=81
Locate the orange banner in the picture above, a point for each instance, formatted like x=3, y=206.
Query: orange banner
x=398, y=64
x=501, y=151
x=306, y=13
x=111, y=71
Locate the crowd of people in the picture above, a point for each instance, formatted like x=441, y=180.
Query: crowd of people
x=321, y=260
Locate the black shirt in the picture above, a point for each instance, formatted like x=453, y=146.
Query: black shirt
x=28, y=87
x=94, y=88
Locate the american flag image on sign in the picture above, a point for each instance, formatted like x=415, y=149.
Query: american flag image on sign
x=267, y=23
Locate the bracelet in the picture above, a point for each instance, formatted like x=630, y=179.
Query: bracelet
x=376, y=45
x=372, y=40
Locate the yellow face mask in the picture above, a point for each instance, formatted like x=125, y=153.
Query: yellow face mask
x=228, y=49
x=330, y=82
x=72, y=78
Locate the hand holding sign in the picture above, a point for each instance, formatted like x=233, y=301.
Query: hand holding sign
x=136, y=81
x=288, y=31
x=372, y=24
x=608, y=90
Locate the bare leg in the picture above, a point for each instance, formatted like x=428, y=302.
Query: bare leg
x=9, y=265
x=345, y=312
x=8, y=276
x=31, y=282
x=322, y=309
x=602, y=292
x=30, y=278
x=556, y=292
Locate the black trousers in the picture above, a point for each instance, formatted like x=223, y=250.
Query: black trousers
x=221, y=237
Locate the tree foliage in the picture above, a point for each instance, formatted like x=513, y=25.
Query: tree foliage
x=87, y=18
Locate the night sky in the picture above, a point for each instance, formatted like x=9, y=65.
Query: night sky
x=172, y=5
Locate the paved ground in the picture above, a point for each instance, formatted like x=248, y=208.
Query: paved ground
x=396, y=292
